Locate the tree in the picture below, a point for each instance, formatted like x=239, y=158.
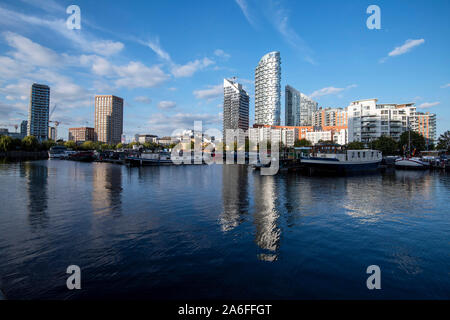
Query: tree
x=119, y=146
x=88, y=145
x=302, y=143
x=46, y=145
x=387, y=145
x=444, y=141
x=417, y=141
x=71, y=145
x=355, y=145
x=30, y=143
x=6, y=143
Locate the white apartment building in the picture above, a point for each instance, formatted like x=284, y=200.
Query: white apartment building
x=368, y=120
x=287, y=136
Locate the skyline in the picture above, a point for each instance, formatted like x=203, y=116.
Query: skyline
x=168, y=80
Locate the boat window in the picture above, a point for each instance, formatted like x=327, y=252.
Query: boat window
x=364, y=154
x=359, y=154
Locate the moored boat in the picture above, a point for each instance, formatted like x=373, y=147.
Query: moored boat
x=334, y=159
x=57, y=152
x=411, y=163
x=82, y=156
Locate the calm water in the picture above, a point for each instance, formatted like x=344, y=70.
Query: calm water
x=220, y=232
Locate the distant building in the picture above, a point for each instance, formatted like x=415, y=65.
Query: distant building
x=426, y=126
x=81, y=134
x=235, y=106
x=38, y=111
x=23, y=129
x=285, y=135
x=330, y=117
x=108, y=119
x=268, y=90
x=299, y=108
x=144, y=138
x=52, y=133
x=165, y=141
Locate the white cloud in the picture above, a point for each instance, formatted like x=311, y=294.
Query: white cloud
x=137, y=75
x=107, y=47
x=426, y=105
x=31, y=52
x=446, y=86
x=243, y=5
x=222, y=54
x=143, y=99
x=187, y=70
x=167, y=104
x=156, y=47
x=211, y=93
x=329, y=91
x=404, y=48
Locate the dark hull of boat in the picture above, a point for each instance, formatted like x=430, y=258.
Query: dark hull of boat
x=340, y=168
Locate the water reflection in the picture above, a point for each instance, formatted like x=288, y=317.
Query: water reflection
x=37, y=176
x=107, y=189
x=234, y=196
x=266, y=215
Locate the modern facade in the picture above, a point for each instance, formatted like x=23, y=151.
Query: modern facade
x=81, y=134
x=23, y=129
x=368, y=120
x=268, y=90
x=235, y=106
x=38, y=111
x=52, y=133
x=144, y=138
x=426, y=126
x=108, y=119
x=299, y=108
x=330, y=117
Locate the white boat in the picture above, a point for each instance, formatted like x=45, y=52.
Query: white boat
x=411, y=163
x=57, y=152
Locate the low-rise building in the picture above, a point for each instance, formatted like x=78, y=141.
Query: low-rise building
x=81, y=134
x=144, y=138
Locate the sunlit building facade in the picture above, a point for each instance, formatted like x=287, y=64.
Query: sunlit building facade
x=235, y=106
x=268, y=90
x=108, y=119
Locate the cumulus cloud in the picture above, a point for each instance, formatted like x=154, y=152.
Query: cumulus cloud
x=137, y=75
x=167, y=104
x=330, y=91
x=426, y=105
x=187, y=70
x=211, y=93
x=404, y=48
x=445, y=86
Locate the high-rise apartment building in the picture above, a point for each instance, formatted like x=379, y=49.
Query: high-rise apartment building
x=235, y=106
x=299, y=108
x=108, y=119
x=38, y=111
x=268, y=90
x=330, y=117
x=23, y=129
x=81, y=134
x=426, y=126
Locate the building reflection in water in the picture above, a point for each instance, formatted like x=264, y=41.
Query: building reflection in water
x=107, y=189
x=234, y=196
x=266, y=216
x=37, y=176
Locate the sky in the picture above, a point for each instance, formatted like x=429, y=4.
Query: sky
x=168, y=59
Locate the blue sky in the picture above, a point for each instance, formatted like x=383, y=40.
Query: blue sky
x=167, y=59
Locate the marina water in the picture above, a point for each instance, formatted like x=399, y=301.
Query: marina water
x=220, y=231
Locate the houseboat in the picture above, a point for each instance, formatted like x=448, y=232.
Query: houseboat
x=57, y=152
x=336, y=159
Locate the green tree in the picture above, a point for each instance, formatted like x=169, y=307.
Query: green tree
x=387, y=145
x=355, y=145
x=88, y=145
x=302, y=143
x=6, y=143
x=444, y=141
x=71, y=145
x=46, y=145
x=417, y=141
x=30, y=143
x=119, y=146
